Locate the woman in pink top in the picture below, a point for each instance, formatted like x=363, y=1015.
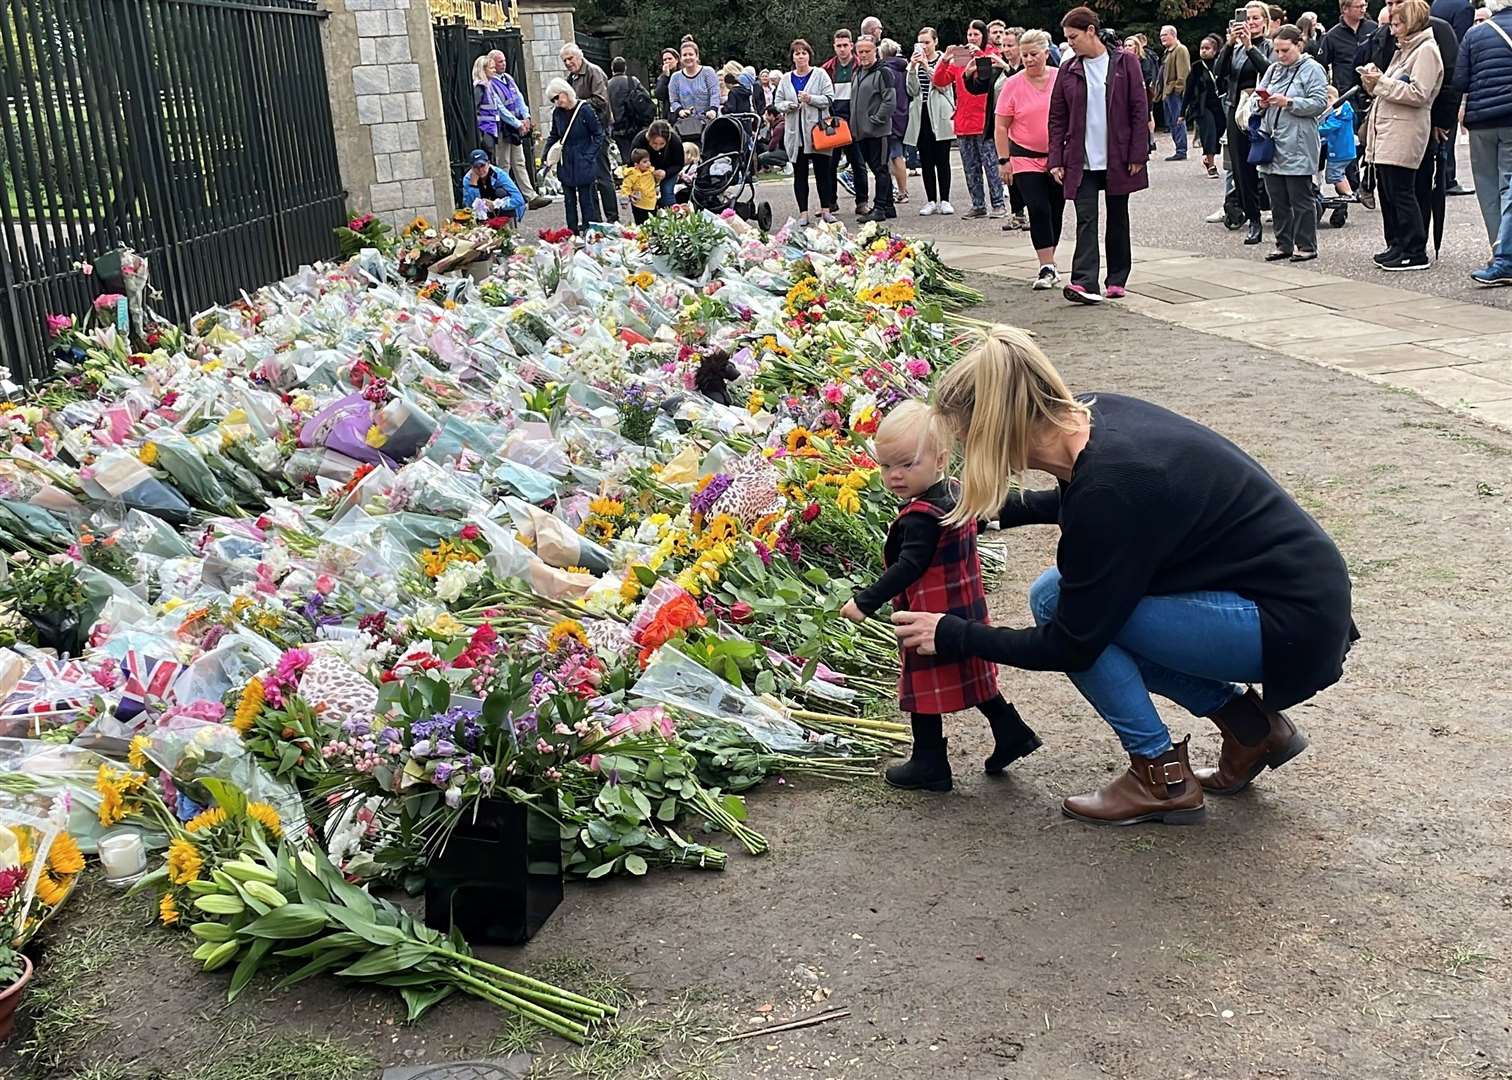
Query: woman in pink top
x=1023, y=144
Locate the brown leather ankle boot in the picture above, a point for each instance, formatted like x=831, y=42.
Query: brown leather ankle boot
x=1153, y=789
x=1239, y=764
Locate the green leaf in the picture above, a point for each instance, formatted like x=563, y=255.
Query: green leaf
x=247, y=968
x=645, y=575
x=288, y=922
x=316, y=966
x=420, y=1001
x=398, y=957
x=369, y=931
x=635, y=864
x=227, y=796
x=766, y=683
x=603, y=869
x=667, y=811
x=340, y=940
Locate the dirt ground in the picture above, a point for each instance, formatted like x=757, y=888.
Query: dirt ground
x=1348, y=917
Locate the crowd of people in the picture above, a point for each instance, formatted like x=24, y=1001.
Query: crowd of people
x=1300, y=122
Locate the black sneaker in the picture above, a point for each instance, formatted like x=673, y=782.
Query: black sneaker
x=1407, y=262
x=1391, y=254
x=1078, y=295
x=1176, y=157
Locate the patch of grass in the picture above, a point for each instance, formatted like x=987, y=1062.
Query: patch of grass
x=676, y=1042
x=1450, y=432
x=105, y=1072
x=518, y=1036
x=1194, y=955
x=1465, y=955
x=585, y=977
x=289, y=1057
x=1370, y=567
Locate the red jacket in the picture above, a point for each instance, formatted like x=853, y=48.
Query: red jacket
x=970, y=109
x=1128, y=120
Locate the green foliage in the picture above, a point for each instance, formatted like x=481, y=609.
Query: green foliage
x=685, y=238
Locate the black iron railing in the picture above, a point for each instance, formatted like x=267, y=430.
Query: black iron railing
x=196, y=131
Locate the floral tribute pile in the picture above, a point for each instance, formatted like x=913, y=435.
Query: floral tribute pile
x=330, y=566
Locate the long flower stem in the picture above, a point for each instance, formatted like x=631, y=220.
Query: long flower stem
x=525, y=980
x=576, y=1033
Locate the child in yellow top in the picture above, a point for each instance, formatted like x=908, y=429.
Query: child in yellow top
x=639, y=185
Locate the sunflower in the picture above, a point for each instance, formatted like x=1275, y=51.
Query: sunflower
x=64, y=857
x=112, y=801
x=250, y=705
x=567, y=628
x=136, y=757
x=267, y=817
x=168, y=912
x=206, y=819
x=606, y=507
x=51, y=891
x=184, y=862
x=800, y=441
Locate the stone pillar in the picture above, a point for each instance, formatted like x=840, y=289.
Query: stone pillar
x=386, y=109
x=545, y=26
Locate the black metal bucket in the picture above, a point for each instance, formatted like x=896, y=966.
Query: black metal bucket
x=500, y=877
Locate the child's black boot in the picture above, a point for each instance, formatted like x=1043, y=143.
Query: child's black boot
x=1012, y=739
x=927, y=770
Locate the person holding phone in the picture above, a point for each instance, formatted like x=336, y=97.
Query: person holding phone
x=1245, y=56
x=1293, y=94
x=931, y=122
x=976, y=76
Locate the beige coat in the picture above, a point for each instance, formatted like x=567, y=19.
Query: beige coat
x=1400, y=123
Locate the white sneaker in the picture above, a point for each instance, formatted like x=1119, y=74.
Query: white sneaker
x=997, y=212
x=1049, y=278
x=945, y=207
x=1216, y=217
x=929, y=208
x=787, y=170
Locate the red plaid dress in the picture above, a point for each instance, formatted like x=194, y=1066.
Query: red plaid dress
x=952, y=585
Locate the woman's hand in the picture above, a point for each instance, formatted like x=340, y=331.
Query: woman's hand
x=852, y=612
x=804, y=97
x=1276, y=101
x=1059, y=174
x=660, y=174
x=916, y=629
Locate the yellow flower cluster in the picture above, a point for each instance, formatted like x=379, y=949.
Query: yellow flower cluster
x=168, y=912
x=893, y=294
x=374, y=437
x=434, y=561
x=206, y=819
x=116, y=788
x=184, y=861
x=755, y=402
x=604, y=520
x=630, y=588
x=249, y=706
x=802, y=295
x=51, y=891
x=136, y=755
x=64, y=857
x=641, y=280
x=148, y=453
x=769, y=344
x=264, y=814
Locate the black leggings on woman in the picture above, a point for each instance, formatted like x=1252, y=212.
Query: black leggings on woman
x=1246, y=179
x=824, y=180
x=1046, y=201
x=934, y=160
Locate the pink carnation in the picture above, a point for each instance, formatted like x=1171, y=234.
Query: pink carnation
x=107, y=300
x=918, y=368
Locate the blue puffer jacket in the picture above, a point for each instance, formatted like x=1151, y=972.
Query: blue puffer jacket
x=579, y=164
x=1484, y=73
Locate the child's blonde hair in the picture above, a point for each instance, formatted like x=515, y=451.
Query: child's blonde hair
x=690, y=152
x=915, y=419
x=994, y=398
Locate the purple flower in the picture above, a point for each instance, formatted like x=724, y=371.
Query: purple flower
x=443, y=773
x=486, y=776
x=445, y=748
x=421, y=748
x=389, y=735
x=703, y=501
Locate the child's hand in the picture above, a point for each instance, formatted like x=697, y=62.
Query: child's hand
x=852, y=612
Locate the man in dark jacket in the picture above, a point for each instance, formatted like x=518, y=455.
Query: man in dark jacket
x=1099, y=141
x=1444, y=111
x=630, y=106
x=897, y=66
x=1484, y=74
x=841, y=68
x=1343, y=41
x=1460, y=15
x=874, y=100
x=590, y=84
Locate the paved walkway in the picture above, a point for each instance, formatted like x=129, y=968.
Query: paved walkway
x=1455, y=354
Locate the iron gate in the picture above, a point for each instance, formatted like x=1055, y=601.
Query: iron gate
x=457, y=47
x=197, y=132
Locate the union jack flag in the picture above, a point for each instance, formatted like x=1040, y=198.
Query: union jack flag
x=51, y=686
x=146, y=677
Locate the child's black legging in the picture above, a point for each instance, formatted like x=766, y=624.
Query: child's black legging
x=934, y=160
x=929, y=728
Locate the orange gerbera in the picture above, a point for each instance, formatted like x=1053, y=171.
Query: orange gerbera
x=672, y=618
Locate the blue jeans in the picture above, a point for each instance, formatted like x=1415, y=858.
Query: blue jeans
x=668, y=191
x=1189, y=647
x=1491, y=166
x=1175, y=123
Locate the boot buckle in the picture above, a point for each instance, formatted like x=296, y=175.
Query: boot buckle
x=1165, y=775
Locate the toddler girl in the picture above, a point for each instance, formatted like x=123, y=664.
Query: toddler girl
x=934, y=567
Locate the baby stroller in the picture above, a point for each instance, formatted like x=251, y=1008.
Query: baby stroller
x=726, y=176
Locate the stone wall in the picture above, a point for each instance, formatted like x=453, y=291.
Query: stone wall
x=545, y=26
x=386, y=109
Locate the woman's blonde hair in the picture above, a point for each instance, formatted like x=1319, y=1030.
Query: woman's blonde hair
x=914, y=420
x=994, y=399
x=480, y=69
x=1264, y=10
x=1414, y=15
x=1034, y=39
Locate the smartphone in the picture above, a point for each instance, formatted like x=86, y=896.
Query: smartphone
x=1262, y=94
x=1241, y=16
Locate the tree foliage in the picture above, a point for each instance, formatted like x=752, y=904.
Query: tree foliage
x=758, y=32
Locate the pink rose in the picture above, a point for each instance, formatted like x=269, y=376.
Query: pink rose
x=324, y=584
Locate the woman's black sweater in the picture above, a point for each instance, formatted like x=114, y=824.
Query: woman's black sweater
x=1158, y=504
x=669, y=158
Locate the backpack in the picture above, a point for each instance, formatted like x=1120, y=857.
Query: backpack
x=639, y=104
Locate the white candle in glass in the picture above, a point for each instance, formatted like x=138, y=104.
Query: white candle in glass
x=122, y=855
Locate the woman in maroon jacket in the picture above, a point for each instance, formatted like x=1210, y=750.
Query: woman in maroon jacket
x=1099, y=114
